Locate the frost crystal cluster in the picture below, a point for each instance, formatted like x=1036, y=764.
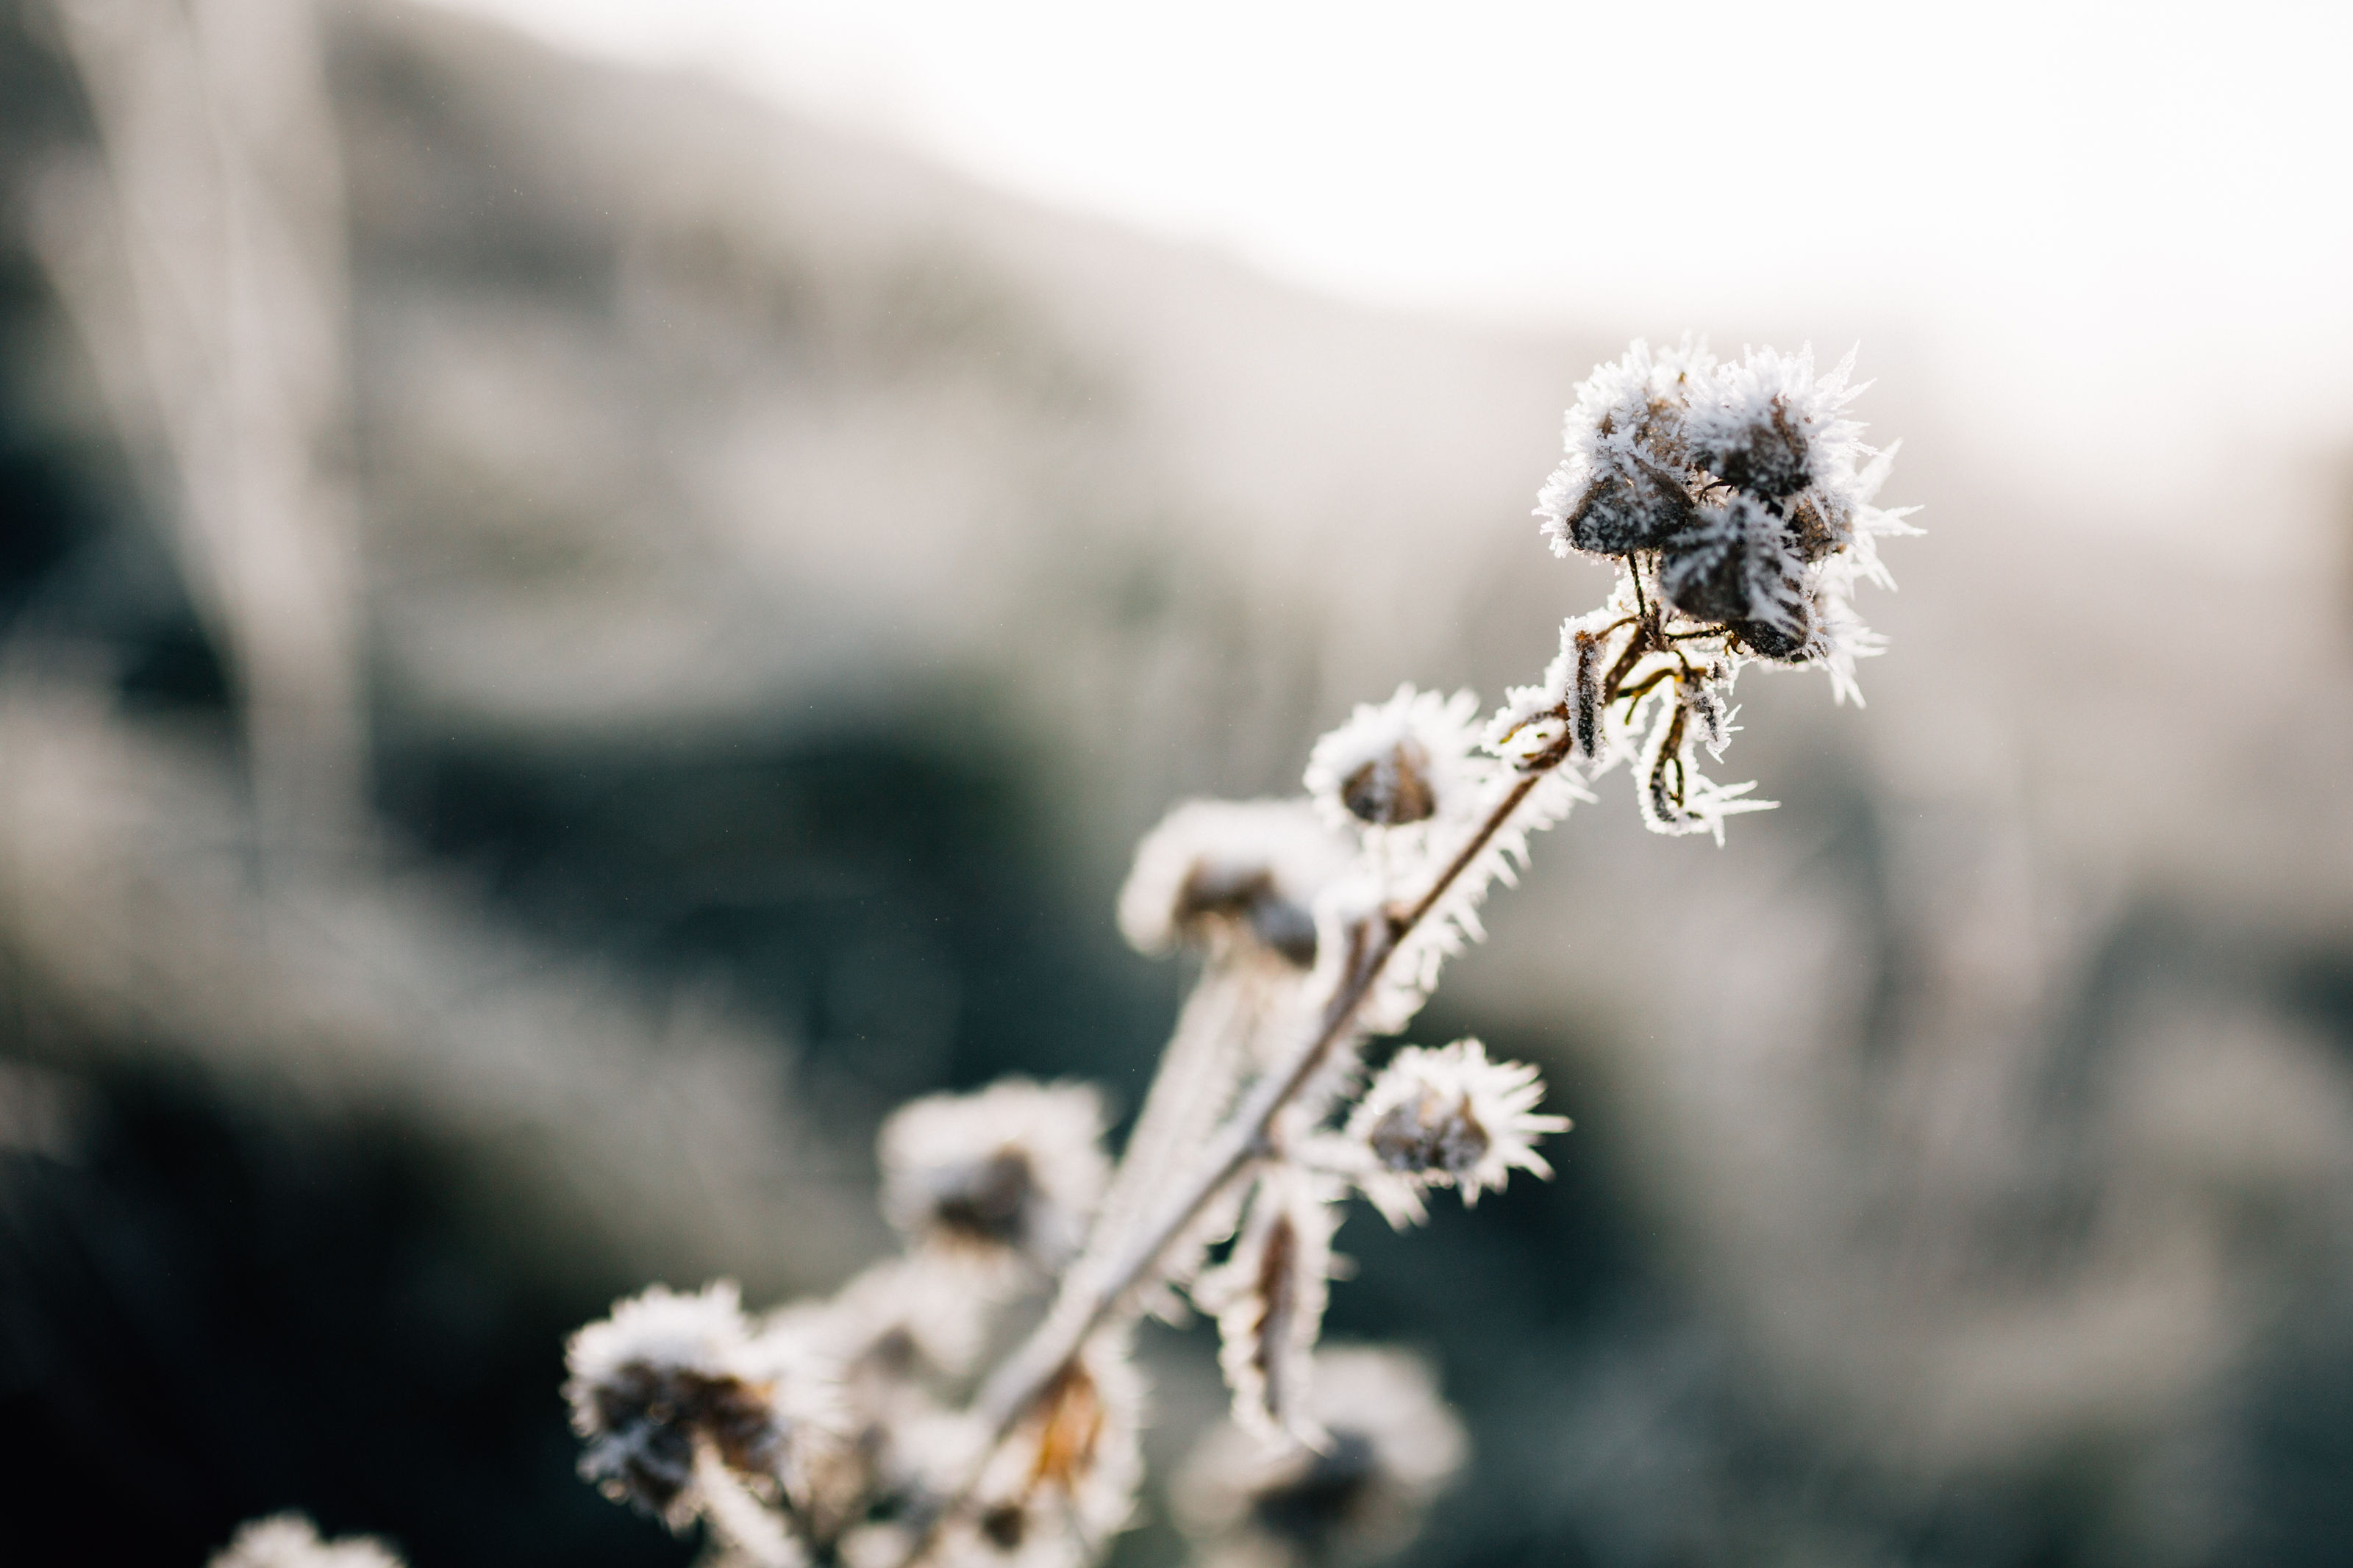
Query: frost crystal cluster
x=975, y=1402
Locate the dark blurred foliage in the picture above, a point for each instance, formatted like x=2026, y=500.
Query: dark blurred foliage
x=217, y=1310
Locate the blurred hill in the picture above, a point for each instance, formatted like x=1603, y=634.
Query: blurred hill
x=791, y=579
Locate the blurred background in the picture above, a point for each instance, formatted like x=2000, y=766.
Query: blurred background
x=593, y=594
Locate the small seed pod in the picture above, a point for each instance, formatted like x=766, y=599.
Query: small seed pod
x=1814, y=536
x=1232, y=874
x=1767, y=641
x=1013, y=1171
x=1635, y=506
x=1447, y=1118
x=1735, y=566
x=1763, y=450
x=1392, y=789
x=1411, y=761
x=1268, y=1298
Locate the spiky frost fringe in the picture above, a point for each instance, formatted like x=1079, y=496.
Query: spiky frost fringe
x=1404, y=770
x=1350, y=914
x=1268, y=1298
x=1445, y=1118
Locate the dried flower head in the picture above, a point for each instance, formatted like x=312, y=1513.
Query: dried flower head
x=291, y=1541
x=1748, y=483
x=671, y=1381
x=1738, y=501
x=1620, y=487
x=1411, y=761
x=1221, y=871
x=1393, y=1446
x=1013, y=1171
x=1446, y=1117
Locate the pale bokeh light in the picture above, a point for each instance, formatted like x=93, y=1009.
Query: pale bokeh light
x=2117, y=222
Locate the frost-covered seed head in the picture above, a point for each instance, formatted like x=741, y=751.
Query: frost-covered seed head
x=1448, y=1118
x=665, y=1377
x=1393, y=1446
x=1623, y=512
x=291, y=1541
x=1764, y=453
x=1015, y=1170
x=1747, y=488
x=1737, y=565
x=1621, y=486
x=1765, y=424
x=1405, y=762
x=1216, y=869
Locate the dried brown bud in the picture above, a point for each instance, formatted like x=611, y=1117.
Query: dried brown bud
x=1431, y=1132
x=1627, y=509
x=1765, y=456
x=644, y=1424
x=1734, y=564
x=1392, y=789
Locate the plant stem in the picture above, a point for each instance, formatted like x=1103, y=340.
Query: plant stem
x=1094, y=1289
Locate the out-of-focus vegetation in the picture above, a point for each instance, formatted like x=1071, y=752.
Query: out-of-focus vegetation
x=786, y=581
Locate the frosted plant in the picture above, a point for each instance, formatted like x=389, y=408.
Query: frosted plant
x=1015, y=1170
x=1447, y=1118
x=290, y=1541
x=1737, y=502
x=1391, y=1446
x=686, y=1413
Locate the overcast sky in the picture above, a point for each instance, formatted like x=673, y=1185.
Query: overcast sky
x=2137, y=213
